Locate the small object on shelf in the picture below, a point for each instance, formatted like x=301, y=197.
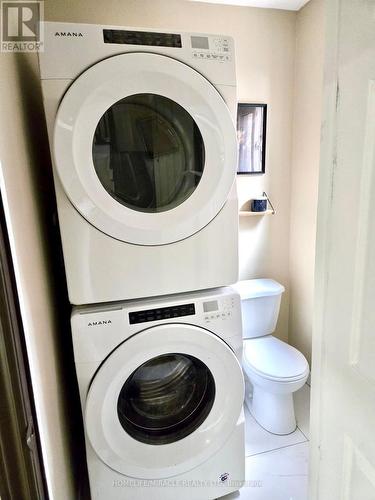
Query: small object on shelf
x=259, y=204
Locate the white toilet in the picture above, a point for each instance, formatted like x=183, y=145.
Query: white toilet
x=273, y=369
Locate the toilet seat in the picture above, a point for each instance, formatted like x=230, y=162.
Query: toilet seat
x=273, y=359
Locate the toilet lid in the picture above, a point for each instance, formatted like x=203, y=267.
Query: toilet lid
x=274, y=358
x=252, y=289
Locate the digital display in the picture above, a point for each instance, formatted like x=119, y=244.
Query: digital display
x=199, y=42
x=161, y=313
x=142, y=38
x=210, y=306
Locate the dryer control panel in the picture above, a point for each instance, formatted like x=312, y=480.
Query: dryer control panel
x=212, y=48
x=150, y=38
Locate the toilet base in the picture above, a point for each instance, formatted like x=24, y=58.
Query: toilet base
x=274, y=412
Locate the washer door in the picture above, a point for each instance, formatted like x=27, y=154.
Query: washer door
x=164, y=401
x=145, y=148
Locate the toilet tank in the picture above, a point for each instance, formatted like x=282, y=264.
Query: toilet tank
x=260, y=301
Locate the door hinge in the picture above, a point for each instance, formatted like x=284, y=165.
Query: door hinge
x=30, y=436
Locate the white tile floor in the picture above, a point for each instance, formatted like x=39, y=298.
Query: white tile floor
x=277, y=466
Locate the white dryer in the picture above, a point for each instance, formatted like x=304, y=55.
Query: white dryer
x=162, y=389
x=142, y=135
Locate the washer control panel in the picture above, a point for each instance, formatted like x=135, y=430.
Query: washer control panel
x=211, y=48
x=161, y=313
x=215, y=310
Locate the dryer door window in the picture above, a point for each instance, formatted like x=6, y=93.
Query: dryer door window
x=148, y=153
x=166, y=399
x=145, y=148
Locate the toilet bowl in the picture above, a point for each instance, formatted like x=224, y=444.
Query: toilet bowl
x=273, y=370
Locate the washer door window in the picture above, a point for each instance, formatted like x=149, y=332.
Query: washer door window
x=145, y=148
x=148, y=153
x=164, y=401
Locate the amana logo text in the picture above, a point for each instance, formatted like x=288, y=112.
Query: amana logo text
x=68, y=33
x=97, y=323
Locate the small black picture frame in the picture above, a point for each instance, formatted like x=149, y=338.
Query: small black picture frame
x=251, y=135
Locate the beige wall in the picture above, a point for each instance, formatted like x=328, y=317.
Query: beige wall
x=305, y=170
x=22, y=154
x=265, y=41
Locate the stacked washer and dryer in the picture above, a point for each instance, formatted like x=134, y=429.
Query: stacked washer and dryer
x=144, y=150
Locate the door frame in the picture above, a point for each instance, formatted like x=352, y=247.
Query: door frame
x=323, y=239
x=21, y=465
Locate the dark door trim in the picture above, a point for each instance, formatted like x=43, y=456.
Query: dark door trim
x=21, y=467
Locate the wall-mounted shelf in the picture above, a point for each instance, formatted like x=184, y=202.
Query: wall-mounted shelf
x=248, y=213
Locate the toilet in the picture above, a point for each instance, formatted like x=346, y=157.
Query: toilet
x=273, y=370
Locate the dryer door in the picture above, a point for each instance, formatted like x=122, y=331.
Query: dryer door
x=145, y=148
x=164, y=401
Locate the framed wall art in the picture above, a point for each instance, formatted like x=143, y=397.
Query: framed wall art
x=251, y=134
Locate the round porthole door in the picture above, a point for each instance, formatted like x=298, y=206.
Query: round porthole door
x=145, y=148
x=164, y=401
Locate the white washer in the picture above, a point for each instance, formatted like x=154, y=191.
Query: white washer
x=162, y=392
x=142, y=135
